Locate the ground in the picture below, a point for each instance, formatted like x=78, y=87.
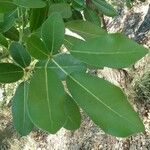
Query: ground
x=134, y=23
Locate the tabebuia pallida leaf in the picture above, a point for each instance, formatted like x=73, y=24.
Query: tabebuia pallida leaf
x=19, y=54
x=53, y=32
x=85, y=29
x=30, y=3
x=45, y=104
x=63, y=8
x=1, y=17
x=7, y=6
x=72, y=111
x=66, y=61
x=21, y=120
x=12, y=34
x=105, y=104
x=37, y=48
x=91, y=16
x=105, y=8
x=8, y=21
x=69, y=41
x=37, y=17
x=109, y=50
x=10, y=73
x=3, y=41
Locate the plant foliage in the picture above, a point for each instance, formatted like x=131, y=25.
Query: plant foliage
x=54, y=85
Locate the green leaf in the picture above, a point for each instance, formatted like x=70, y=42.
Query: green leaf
x=10, y=73
x=7, y=6
x=12, y=34
x=91, y=16
x=3, y=41
x=21, y=120
x=105, y=8
x=67, y=62
x=19, y=54
x=63, y=8
x=8, y=21
x=69, y=41
x=30, y=3
x=1, y=17
x=38, y=16
x=111, y=50
x=78, y=4
x=72, y=113
x=85, y=29
x=45, y=105
x=53, y=32
x=37, y=48
x=105, y=104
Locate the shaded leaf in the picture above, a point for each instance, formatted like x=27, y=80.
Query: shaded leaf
x=3, y=41
x=105, y=8
x=91, y=16
x=85, y=29
x=62, y=8
x=12, y=34
x=8, y=21
x=38, y=16
x=7, y=6
x=73, y=114
x=30, y=3
x=19, y=54
x=10, y=73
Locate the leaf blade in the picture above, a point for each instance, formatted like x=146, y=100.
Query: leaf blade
x=117, y=52
x=97, y=103
x=19, y=54
x=10, y=73
x=45, y=106
x=21, y=120
x=53, y=32
x=85, y=29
